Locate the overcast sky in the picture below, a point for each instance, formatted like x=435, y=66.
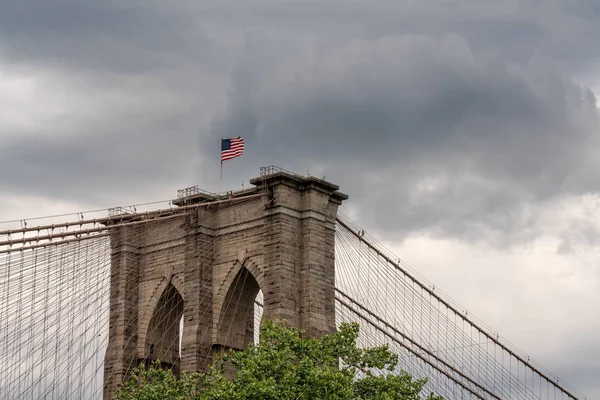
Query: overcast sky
x=466, y=132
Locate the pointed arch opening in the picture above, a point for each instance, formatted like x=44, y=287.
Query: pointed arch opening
x=236, y=327
x=163, y=340
x=258, y=315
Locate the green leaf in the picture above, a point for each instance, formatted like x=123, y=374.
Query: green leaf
x=286, y=365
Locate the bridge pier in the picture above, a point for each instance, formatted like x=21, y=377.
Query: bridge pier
x=209, y=263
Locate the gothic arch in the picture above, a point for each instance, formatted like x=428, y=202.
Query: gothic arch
x=235, y=302
x=160, y=331
x=151, y=306
x=248, y=264
x=178, y=283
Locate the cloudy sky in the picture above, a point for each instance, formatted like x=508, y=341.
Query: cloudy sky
x=466, y=132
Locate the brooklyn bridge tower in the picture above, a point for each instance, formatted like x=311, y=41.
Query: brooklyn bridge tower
x=183, y=285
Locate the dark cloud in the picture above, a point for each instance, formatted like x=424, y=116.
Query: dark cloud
x=111, y=36
x=460, y=143
x=448, y=109
x=462, y=120
x=100, y=167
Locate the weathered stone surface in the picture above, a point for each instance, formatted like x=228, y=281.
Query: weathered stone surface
x=209, y=264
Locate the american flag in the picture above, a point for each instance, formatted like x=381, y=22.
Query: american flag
x=231, y=148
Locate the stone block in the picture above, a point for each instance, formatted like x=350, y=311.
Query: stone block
x=207, y=267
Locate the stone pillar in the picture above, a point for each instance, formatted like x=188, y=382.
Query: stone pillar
x=196, y=351
x=299, y=265
x=120, y=358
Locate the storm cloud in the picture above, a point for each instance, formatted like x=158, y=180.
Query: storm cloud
x=453, y=142
x=472, y=123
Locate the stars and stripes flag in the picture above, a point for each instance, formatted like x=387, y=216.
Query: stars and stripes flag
x=231, y=148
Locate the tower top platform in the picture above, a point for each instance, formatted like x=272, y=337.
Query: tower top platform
x=269, y=176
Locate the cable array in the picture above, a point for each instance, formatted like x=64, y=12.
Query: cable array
x=55, y=290
x=54, y=316
x=435, y=337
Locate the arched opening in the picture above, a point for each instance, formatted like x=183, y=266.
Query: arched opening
x=164, y=331
x=237, y=317
x=258, y=314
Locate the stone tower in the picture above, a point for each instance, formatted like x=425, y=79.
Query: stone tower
x=207, y=261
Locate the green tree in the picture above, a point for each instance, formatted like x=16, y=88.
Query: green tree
x=284, y=365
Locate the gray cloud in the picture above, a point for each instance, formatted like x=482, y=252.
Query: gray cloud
x=461, y=120
x=458, y=141
x=457, y=104
x=128, y=38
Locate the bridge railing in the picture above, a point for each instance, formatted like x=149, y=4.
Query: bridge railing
x=193, y=191
x=273, y=169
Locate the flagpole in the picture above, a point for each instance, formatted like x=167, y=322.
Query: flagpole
x=221, y=180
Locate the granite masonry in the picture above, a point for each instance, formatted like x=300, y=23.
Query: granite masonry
x=207, y=261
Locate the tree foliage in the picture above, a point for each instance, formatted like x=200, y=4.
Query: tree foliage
x=286, y=366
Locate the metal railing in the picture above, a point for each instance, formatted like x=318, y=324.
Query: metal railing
x=273, y=169
x=120, y=211
x=193, y=191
